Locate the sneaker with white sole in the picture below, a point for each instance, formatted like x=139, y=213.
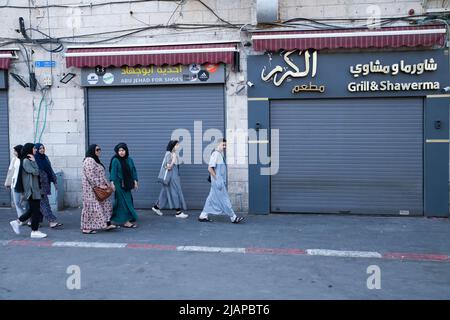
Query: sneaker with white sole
x=16, y=226
x=157, y=211
x=38, y=234
x=181, y=215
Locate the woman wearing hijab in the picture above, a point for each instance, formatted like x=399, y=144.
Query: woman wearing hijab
x=46, y=176
x=28, y=184
x=218, y=201
x=95, y=215
x=11, y=180
x=171, y=195
x=122, y=172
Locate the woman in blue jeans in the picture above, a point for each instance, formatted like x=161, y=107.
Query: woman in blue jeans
x=11, y=180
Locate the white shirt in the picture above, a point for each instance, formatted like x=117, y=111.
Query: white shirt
x=15, y=163
x=216, y=158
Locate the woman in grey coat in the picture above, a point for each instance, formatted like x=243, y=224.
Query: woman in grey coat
x=171, y=195
x=28, y=184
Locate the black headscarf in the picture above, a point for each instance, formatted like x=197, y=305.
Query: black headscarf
x=18, y=149
x=26, y=150
x=171, y=145
x=90, y=153
x=44, y=163
x=128, y=182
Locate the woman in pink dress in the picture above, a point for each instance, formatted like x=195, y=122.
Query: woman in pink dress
x=95, y=215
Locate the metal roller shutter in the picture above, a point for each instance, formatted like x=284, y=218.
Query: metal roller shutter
x=5, y=198
x=144, y=118
x=361, y=156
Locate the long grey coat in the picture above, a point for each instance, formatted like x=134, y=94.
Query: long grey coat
x=171, y=196
x=30, y=178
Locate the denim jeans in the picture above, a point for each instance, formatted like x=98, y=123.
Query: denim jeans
x=20, y=204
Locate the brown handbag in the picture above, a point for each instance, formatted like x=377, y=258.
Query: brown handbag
x=102, y=194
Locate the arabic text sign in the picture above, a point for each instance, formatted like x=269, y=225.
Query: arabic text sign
x=312, y=74
x=394, y=69
x=154, y=75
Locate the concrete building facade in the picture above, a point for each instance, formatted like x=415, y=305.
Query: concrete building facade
x=136, y=23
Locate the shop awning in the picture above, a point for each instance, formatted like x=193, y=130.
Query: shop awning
x=145, y=55
x=391, y=37
x=6, y=56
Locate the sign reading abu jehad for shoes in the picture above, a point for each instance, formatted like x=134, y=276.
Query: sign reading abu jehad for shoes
x=311, y=74
x=153, y=75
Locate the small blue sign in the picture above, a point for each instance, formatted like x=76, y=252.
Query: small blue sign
x=45, y=64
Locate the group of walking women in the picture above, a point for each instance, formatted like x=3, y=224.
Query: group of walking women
x=29, y=177
x=31, y=173
x=123, y=178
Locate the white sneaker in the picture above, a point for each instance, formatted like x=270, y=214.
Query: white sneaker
x=181, y=215
x=157, y=211
x=38, y=234
x=16, y=226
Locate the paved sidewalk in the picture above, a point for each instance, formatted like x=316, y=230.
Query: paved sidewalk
x=287, y=256
x=278, y=231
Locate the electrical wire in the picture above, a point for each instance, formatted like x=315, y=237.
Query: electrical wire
x=295, y=23
x=43, y=95
x=182, y=2
x=214, y=13
x=90, y=5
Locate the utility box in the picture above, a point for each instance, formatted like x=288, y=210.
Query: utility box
x=267, y=11
x=56, y=199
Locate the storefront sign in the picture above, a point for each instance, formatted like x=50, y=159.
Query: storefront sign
x=310, y=74
x=153, y=75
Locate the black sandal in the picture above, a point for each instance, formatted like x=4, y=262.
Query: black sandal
x=130, y=226
x=89, y=232
x=238, y=219
x=204, y=220
x=57, y=225
x=112, y=227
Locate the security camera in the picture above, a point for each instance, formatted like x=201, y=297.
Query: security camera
x=446, y=89
x=250, y=84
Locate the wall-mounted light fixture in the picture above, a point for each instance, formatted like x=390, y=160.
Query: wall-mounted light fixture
x=67, y=77
x=19, y=80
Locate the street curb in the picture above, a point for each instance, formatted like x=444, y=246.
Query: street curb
x=221, y=250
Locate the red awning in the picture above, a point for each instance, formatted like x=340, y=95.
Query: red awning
x=5, y=58
x=151, y=55
x=393, y=37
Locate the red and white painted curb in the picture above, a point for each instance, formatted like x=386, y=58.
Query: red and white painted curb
x=250, y=250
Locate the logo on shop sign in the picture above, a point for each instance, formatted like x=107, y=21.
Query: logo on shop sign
x=194, y=68
x=92, y=78
x=108, y=78
x=211, y=68
x=203, y=75
x=100, y=71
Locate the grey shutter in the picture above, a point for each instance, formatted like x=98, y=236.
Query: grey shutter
x=360, y=156
x=144, y=118
x=5, y=198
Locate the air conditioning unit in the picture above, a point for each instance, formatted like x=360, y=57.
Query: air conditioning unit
x=267, y=11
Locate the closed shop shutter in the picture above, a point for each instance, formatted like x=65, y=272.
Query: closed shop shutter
x=5, y=198
x=362, y=156
x=144, y=118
